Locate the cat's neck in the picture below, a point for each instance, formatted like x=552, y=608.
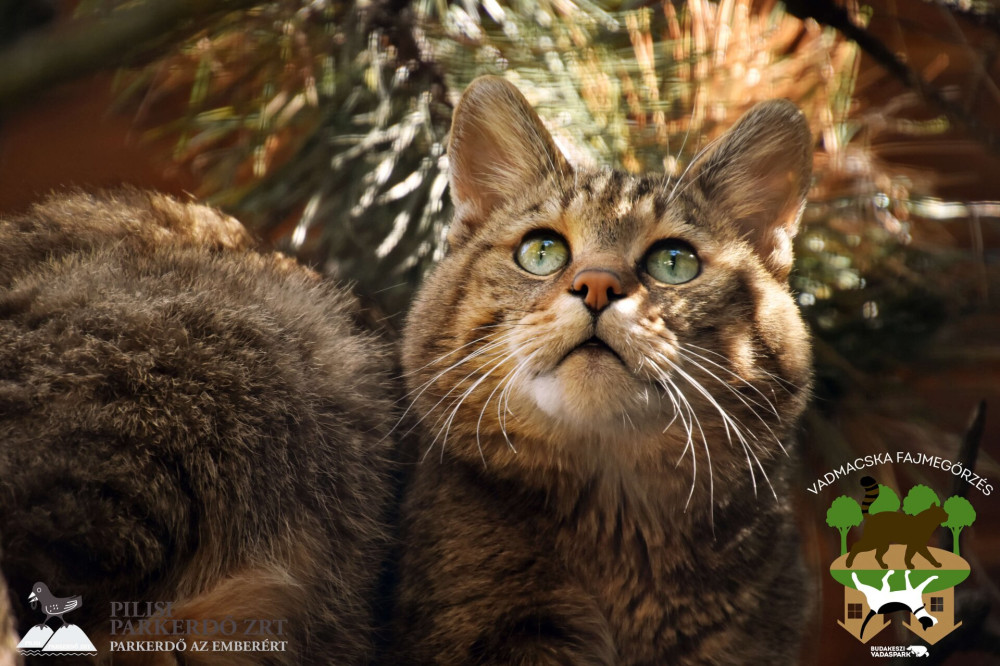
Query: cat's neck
x=661, y=491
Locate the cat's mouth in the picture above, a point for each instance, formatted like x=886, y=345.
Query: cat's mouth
x=593, y=345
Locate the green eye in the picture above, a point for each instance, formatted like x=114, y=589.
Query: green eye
x=542, y=253
x=673, y=261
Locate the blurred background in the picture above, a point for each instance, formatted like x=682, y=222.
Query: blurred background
x=322, y=125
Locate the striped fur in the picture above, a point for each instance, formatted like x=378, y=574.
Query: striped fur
x=624, y=508
x=185, y=419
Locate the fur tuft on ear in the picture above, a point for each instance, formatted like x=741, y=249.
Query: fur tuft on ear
x=498, y=147
x=758, y=175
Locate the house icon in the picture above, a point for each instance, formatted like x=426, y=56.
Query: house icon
x=938, y=597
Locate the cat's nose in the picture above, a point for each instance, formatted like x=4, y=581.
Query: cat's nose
x=597, y=287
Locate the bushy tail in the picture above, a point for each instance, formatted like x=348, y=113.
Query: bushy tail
x=871, y=493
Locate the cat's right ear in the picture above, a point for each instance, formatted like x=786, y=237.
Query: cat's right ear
x=498, y=149
x=758, y=175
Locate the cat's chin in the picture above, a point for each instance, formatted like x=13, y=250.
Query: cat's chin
x=592, y=389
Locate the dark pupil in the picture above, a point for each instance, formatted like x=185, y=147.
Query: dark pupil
x=673, y=254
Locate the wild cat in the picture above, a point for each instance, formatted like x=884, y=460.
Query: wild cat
x=888, y=527
x=607, y=369
x=186, y=419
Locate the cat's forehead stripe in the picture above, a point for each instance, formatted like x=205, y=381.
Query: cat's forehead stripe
x=612, y=191
x=608, y=207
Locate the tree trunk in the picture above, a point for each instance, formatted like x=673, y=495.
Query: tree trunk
x=41, y=60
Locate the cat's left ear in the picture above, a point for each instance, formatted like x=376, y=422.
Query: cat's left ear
x=498, y=149
x=759, y=175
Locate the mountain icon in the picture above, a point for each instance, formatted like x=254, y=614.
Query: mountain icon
x=68, y=639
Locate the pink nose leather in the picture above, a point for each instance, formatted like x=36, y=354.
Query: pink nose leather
x=597, y=288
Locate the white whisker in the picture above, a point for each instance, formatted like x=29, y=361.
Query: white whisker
x=420, y=390
x=739, y=397
x=730, y=424
x=687, y=352
x=691, y=421
x=507, y=378
x=446, y=427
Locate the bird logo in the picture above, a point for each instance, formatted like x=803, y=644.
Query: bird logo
x=52, y=605
x=68, y=639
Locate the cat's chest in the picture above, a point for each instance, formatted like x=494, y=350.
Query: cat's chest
x=662, y=591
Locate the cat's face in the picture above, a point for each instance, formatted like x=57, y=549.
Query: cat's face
x=595, y=310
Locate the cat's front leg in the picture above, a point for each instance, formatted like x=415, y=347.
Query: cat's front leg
x=559, y=631
x=489, y=632
x=930, y=558
x=478, y=584
x=518, y=619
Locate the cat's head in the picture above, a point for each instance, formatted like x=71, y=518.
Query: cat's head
x=593, y=311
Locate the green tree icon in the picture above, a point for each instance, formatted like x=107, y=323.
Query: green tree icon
x=960, y=515
x=843, y=514
x=887, y=500
x=919, y=498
